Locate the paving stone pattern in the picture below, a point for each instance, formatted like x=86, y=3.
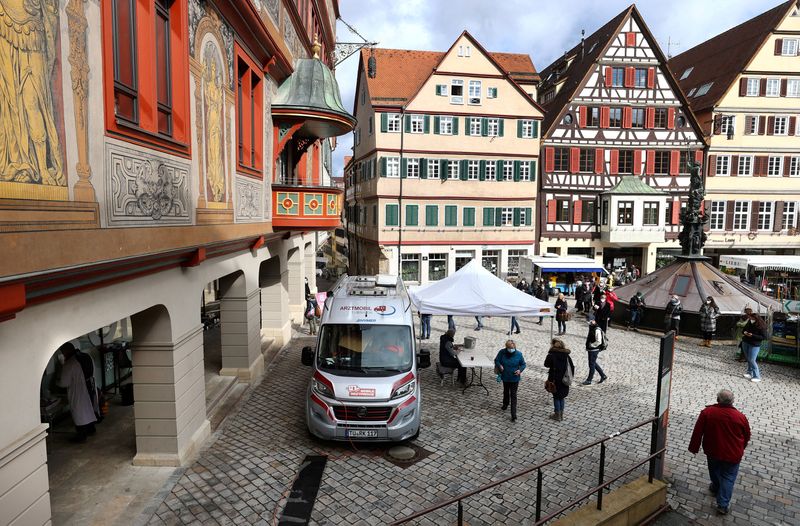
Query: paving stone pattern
x=244, y=475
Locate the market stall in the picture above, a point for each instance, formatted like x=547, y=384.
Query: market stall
x=776, y=276
x=561, y=272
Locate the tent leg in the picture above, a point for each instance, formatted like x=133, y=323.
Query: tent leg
x=552, y=319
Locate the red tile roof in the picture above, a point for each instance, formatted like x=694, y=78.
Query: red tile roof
x=400, y=73
x=722, y=58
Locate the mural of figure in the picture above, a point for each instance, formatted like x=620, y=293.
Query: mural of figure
x=215, y=169
x=30, y=149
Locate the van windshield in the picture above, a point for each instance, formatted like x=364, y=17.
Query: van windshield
x=361, y=349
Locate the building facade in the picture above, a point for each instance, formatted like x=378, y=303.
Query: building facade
x=613, y=110
x=445, y=161
x=150, y=149
x=744, y=87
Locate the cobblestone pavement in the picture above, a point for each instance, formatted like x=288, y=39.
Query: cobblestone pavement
x=245, y=474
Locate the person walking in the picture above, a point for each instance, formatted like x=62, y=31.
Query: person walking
x=451, y=323
x=578, y=295
x=510, y=363
x=562, y=314
x=636, y=307
x=602, y=313
x=709, y=312
x=425, y=329
x=611, y=298
x=311, y=314
x=80, y=403
x=557, y=362
x=752, y=334
x=724, y=433
x=740, y=323
x=541, y=294
x=672, y=315
x=514, y=323
x=479, y=319
x=587, y=298
x=595, y=343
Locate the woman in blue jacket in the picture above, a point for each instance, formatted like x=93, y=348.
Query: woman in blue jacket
x=509, y=364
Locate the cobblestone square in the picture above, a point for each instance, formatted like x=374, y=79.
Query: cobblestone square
x=244, y=475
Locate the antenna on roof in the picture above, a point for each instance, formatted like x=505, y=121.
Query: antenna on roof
x=670, y=43
x=583, y=32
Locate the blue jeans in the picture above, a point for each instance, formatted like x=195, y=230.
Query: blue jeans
x=558, y=404
x=514, y=323
x=723, y=475
x=594, y=366
x=751, y=353
x=480, y=322
x=425, y=319
x=635, y=318
x=451, y=324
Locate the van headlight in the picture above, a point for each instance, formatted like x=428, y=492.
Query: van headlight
x=320, y=388
x=404, y=389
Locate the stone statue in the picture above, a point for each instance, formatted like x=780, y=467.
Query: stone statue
x=692, y=237
x=30, y=148
x=215, y=170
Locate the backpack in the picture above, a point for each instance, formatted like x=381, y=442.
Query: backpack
x=568, y=376
x=604, y=342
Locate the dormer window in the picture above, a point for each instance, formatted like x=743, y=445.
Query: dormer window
x=687, y=72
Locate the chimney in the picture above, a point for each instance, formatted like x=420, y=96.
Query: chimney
x=583, y=32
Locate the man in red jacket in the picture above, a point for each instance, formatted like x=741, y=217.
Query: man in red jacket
x=724, y=432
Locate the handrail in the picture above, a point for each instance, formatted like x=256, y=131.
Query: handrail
x=528, y=470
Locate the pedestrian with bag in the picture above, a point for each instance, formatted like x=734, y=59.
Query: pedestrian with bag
x=595, y=343
x=753, y=333
x=709, y=312
x=602, y=313
x=636, y=308
x=509, y=364
x=562, y=314
x=311, y=314
x=672, y=315
x=560, y=374
x=724, y=433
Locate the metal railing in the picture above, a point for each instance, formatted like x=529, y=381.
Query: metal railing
x=602, y=484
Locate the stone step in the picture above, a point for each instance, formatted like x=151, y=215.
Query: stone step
x=217, y=388
x=226, y=405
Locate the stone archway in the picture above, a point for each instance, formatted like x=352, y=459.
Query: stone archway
x=240, y=328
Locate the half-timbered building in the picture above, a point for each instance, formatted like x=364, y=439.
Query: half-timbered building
x=744, y=87
x=614, y=110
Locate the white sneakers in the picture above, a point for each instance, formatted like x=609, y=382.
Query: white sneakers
x=748, y=376
x=755, y=379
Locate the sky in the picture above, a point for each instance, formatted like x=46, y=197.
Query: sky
x=542, y=29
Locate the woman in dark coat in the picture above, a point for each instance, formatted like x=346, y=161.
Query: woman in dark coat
x=709, y=312
x=561, y=314
x=557, y=361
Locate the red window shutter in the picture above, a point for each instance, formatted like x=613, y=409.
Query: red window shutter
x=787, y=163
x=712, y=166
x=650, y=165
x=549, y=159
x=792, y=125
x=762, y=125
x=784, y=82
x=629, y=77
x=770, y=125
x=734, y=170
x=627, y=116
x=551, y=210
x=698, y=156
x=743, y=87
x=630, y=39
x=609, y=75
x=671, y=118
x=599, y=160
x=650, y=118
x=760, y=168
x=748, y=122
x=613, y=167
x=778, y=46
x=762, y=87
x=604, y=117
x=674, y=162
x=637, y=162
x=574, y=160
x=676, y=212
x=577, y=213
x=582, y=116
x=651, y=78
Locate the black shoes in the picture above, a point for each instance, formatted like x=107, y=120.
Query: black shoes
x=504, y=407
x=722, y=510
x=712, y=489
x=602, y=379
x=587, y=382
x=513, y=418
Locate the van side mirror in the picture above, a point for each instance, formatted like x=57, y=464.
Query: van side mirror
x=308, y=356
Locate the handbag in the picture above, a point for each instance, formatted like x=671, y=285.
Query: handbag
x=549, y=386
x=567, y=379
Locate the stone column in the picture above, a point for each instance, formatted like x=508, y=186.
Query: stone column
x=297, y=287
x=24, y=496
x=275, y=319
x=169, y=391
x=241, y=338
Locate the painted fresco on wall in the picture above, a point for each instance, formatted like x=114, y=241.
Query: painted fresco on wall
x=31, y=113
x=214, y=114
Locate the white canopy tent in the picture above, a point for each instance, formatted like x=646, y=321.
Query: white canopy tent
x=474, y=291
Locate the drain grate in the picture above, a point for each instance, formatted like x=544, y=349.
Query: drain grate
x=406, y=455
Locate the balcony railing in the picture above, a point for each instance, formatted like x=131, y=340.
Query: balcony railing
x=306, y=207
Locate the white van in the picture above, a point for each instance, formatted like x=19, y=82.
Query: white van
x=365, y=384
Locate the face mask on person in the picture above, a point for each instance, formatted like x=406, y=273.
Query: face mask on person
x=708, y=302
x=60, y=358
x=510, y=350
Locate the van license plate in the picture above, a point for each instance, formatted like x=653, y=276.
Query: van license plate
x=361, y=433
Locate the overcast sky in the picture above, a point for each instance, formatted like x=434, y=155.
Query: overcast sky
x=542, y=29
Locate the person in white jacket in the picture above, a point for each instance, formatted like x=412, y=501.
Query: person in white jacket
x=80, y=403
x=595, y=342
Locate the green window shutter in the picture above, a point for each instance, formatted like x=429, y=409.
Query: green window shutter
x=535, y=129
x=383, y=166
x=404, y=168
x=391, y=215
x=450, y=218
x=384, y=122
x=455, y=125
x=534, y=168
x=431, y=215
x=423, y=168
x=498, y=170
x=426, y=124
x=469, y=216
x=519, y=128
x=467, y=125
x=438, y=89
x=412, y=215
x=482, y=171
x=528, y=216
x=488, y=216
x=462, y=170
x=498, y=216
x=500, y=132
x=443, y=169
x=516, y=171
x=484, y=126
x=408, y=124
x=436, y=120
x=517, y=216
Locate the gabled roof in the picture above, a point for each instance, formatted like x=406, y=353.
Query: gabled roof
x=574, y=75
x=632, y=185
x=400, y=73
x=722, y=58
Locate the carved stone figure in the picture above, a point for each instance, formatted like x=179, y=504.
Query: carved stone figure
x=30, y=148
x=215, y=168
x=692, y=237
